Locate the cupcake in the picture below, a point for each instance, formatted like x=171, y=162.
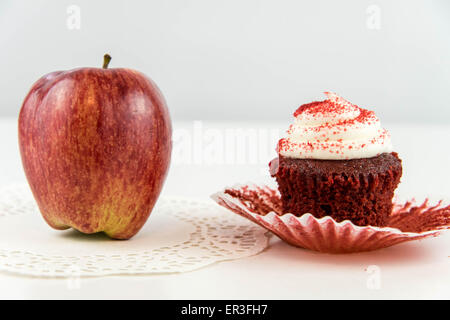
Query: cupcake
x=337, y=161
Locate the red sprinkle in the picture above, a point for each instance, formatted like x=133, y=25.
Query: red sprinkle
x=330, y=108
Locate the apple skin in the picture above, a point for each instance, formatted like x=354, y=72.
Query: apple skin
x=95, y=146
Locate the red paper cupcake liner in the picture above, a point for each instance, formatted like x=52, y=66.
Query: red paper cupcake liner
x=262, y=205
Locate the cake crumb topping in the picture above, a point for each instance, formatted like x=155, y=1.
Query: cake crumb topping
x=334, y=129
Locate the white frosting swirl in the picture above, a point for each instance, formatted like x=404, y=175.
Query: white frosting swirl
x=334, y=129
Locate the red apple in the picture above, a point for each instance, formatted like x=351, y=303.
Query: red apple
x=95, y=146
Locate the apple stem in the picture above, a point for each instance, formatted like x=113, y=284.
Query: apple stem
x=106, y=60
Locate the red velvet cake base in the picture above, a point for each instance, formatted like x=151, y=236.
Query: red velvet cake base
x=262, y=205
x=359, y=190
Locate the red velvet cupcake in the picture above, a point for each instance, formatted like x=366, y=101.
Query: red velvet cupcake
x=337, y=161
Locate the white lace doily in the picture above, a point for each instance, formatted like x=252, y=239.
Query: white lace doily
x=180, y=235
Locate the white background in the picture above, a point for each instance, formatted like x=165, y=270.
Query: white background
x=242, y=60
x=247, y=64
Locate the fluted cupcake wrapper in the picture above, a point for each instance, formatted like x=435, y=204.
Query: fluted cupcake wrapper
x=262, y=205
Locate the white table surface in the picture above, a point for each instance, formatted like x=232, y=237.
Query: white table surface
x=418, y=269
